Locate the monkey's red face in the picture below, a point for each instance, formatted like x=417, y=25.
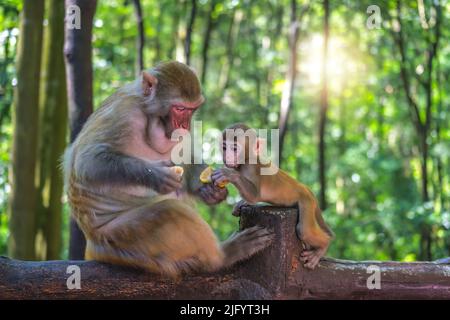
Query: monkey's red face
x=174, y=99
x=180, y=115
x=231, y=152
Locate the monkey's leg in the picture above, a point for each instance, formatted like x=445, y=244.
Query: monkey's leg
x=166, y=237
x=311, y=234
x=323, y=224
x=242, y=245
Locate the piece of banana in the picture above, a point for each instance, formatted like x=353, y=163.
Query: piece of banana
x=205, y=177
x=178, y=170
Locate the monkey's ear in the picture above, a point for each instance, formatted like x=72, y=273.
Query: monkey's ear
x=260, y=145
x=149, y=83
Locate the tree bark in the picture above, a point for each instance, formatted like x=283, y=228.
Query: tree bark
x=25, y=122
x=255, y=44
x=53, y=132
x=291, y=74
x=206, y=40
x=232, y=38
x=272, y=68
x=140, y=41
x=323, y=109
x=78, y=55
x=275, y=273
x=179, y=22
x=439, y=158
x=189, y=31
x=159, y=26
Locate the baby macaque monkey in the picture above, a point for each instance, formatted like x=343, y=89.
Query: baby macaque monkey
x=240, y=144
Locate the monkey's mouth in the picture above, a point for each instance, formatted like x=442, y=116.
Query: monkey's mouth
x=171, y=124
x=180, y=119
x=184, y=123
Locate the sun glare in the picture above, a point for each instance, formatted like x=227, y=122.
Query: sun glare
x=339, y=66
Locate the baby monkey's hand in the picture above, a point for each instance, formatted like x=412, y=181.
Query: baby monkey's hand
x=220, y=177
x=238, y=207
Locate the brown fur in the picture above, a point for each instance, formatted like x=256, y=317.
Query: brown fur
x=118, y=202
x=280, y=189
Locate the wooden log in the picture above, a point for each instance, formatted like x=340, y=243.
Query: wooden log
x=48, y=280
x=275, y=273
x=341, y=279
x=280, y=271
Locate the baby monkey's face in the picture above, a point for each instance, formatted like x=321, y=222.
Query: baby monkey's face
x=232, y=154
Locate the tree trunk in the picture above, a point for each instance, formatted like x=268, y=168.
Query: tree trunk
x=159, y=26
x=189, y=31
x=78, y=54
x=232, y=37
x=206, y=40
x=53, y=131
x=380, y=122
x=439, y=160
x=323, y=108
x=272, y=69
x=291, y=74
x=180, y=35
x=25, y=123
x=424, y=165
x=140, y=42
x=255, y=44
x=425, y=230
x=173, y=43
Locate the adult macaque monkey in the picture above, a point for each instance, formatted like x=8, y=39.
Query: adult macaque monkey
x=278, y=189
x=128, y=201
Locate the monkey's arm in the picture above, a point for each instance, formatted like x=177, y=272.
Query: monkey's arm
x=103, y=164
x=248, y=190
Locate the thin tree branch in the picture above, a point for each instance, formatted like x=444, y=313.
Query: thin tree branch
x=187, y=43
x=141, y=36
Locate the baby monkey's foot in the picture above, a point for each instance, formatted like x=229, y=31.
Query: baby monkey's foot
x=311, y=258
x=238, y=208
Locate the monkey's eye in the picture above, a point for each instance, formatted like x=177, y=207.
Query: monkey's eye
x=180, y=108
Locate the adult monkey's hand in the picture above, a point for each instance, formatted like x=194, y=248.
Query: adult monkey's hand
x=212, y=194
x=161, y=178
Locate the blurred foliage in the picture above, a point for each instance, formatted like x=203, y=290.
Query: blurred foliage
x=9, y=32
x=373, y=167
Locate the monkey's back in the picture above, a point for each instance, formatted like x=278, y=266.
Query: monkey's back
x=273, y=189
